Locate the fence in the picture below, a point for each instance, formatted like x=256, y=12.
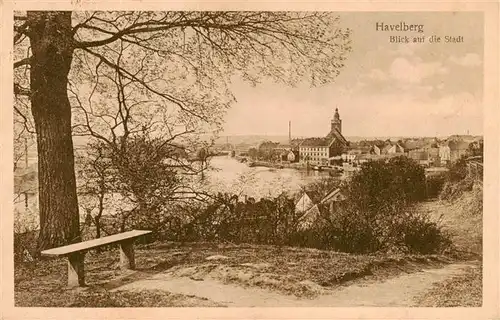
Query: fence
x=475, y=170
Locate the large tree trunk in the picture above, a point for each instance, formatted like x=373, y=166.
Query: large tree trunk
x=51, y=44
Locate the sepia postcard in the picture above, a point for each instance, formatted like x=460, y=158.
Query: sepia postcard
x=250, y=160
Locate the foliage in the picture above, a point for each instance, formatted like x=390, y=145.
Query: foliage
x=369, y=220
x=138, y=181
x=267, y=151
x=25, y=233
x=369, y=143
x=458, y=170
x=387, y=184
x=476, y=148
x=457, y=181
x=378, y=215
x=463, y=290
x=342, y=226
x=435, y=185
x=95, y=177
x=349, y=229
x=267, y=221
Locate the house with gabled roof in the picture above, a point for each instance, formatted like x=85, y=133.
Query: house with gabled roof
x=310, y=215
x=304, y=203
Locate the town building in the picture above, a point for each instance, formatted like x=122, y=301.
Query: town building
x=289, y=155
x=393, y=148
x=319, y=151
x=304, y=203
x=452, y=150
x=377, y=149
x=355, y=154
x=311, y=211
x=292, y=156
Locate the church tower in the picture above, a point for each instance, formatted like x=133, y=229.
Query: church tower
x=336, y=122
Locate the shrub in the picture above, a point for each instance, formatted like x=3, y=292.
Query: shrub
x=453, y=190
x=435, y=185
x=398, y=181
x=457, y=170
x=377, y=214
x=419, y=234
x=25, y=234
x=457, y=181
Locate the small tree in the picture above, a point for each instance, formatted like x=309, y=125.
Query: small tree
x=379, y=197
x=253, y=153
x=476, y=148
x=95, y=180
x=151, y=175
x=267, y=151
x=396, y=182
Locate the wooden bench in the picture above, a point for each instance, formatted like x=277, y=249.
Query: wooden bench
x=76, y=253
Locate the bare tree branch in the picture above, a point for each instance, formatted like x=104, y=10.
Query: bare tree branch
x=22, y=62
x=18, y=90
x=130, y=76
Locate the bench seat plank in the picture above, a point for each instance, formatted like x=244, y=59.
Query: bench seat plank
x=94, y=243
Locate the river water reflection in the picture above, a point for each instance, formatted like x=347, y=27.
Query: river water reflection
x=231, y=176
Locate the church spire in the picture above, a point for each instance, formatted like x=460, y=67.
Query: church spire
x=336, y=122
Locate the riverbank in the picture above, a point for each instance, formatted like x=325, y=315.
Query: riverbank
x=296, y=166
x=276, y=165
x=431, y=171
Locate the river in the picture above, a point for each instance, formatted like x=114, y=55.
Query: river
x=226, y=175
x=229, y=175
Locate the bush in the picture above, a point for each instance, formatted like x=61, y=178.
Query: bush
x=453, y=190
x=348, y=229
x=398, y=181
x=457, y=170
x=25, y=234
x=420, y=234
x=457, y=181
x=435, y=186
x=378, y=215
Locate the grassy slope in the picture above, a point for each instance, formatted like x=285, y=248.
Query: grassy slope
x=463, y=219
x=302, y=272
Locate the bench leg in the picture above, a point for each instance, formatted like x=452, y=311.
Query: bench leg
x=127, y=259
x=76, y=276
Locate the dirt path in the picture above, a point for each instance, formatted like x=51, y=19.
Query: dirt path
x=399, y=291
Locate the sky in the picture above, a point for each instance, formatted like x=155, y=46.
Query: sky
x=385, y=89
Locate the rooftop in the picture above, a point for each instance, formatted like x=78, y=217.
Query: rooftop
x=334, y=133
x=316, y=142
